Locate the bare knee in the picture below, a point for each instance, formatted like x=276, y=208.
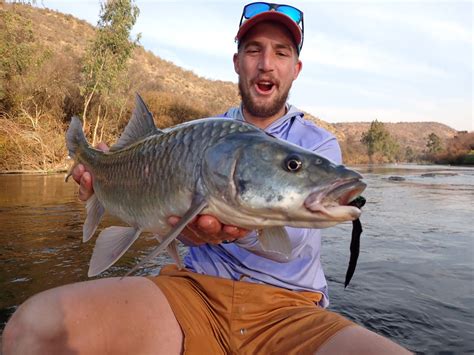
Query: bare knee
x=35, y=324
x=11, y=334
x=358, y=340
x=93, y=317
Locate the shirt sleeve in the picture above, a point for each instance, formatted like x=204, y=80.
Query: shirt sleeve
x=329, y=149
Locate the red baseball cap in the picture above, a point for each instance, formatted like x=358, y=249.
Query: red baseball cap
x=273, y=16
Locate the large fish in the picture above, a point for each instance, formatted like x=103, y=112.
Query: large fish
x=217, y=166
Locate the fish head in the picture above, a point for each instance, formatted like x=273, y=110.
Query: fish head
x=276, y=182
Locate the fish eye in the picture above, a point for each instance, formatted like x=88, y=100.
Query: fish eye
x=293, y=163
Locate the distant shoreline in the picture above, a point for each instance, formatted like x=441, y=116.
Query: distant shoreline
x=64, y=171
x=32, y=172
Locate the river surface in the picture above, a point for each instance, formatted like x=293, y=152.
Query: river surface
x=413, y=283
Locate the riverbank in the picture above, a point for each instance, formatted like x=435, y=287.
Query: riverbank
x=33, y=172
x=468, y=163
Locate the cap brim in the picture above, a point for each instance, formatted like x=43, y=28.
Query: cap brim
x=271, y=16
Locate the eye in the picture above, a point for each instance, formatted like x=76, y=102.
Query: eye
x=252, y=49
x=293, y=163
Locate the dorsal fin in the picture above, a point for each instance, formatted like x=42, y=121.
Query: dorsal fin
x=141, y=125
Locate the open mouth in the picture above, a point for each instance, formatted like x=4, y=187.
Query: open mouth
x=264, y=87
x=343, y=193
x=333, y=201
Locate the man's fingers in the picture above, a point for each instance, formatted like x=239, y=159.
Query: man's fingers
x=77, y=173
x=84, y=178
x=85, y=186
x=173, y=220
x=102, y=146
x=235, y=232
x=208, y=229
x=232, y=231
x=188, y=234
x=209, y=225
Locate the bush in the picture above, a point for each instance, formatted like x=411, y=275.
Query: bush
x=169, y=109
x=459, y=150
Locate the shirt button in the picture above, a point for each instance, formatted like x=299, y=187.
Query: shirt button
x=243, y=331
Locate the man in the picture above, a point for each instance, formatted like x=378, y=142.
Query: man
x=232, y=298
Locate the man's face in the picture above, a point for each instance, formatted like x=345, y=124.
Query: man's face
x=267, y=64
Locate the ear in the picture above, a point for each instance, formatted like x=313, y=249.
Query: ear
x=297, y=69
x=236, y=63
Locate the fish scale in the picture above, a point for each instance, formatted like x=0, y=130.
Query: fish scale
x=163, y=156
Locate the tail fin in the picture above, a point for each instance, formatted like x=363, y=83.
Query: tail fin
x=75, y=138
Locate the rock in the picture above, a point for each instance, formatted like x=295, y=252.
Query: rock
x=396, y=178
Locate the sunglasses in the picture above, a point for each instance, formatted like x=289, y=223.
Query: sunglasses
x=256, y=8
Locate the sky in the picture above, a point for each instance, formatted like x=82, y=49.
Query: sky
x=394, y=61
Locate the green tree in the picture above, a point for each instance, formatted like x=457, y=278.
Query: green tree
x=410, y=155
x=378, y=140
x=433, y=143
x=106, y=58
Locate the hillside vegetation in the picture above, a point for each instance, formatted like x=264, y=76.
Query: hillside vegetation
x=42, y=85
x=411, y=136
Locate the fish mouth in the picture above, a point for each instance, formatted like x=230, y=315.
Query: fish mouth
x=332, y=202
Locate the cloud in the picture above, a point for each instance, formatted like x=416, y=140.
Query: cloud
x=346, y=89
x=203, y=31
x=358, y=56
x=443, y=30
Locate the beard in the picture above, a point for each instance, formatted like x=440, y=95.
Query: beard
x=262, y=110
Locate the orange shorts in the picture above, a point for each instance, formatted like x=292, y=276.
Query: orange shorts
x=221, y=316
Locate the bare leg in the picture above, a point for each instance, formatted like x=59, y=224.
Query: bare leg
x=357, y=340
x=106, y=316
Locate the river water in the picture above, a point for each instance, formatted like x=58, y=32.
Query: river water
x=414, y=281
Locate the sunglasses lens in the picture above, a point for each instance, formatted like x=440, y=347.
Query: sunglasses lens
x=255, y=9
x=291, y=12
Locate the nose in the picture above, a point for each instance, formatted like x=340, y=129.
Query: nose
x=265, y=63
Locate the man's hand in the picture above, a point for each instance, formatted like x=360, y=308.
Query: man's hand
x=84, y=178
x=208, y=229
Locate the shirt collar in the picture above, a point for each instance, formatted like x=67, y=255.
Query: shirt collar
x=291, y=111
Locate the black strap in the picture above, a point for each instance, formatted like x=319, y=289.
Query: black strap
x=355, y=241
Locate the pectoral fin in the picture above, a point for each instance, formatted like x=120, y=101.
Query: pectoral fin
x=95, y=211
x=275, y=239
x=172, y=250
x=197, y=205
x=111, y=244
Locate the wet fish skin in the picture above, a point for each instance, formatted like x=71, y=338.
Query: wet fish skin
x=223, y=167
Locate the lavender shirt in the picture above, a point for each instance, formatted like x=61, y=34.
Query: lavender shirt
x=236, y=261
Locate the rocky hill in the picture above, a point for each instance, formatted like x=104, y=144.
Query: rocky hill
x=407, y=134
